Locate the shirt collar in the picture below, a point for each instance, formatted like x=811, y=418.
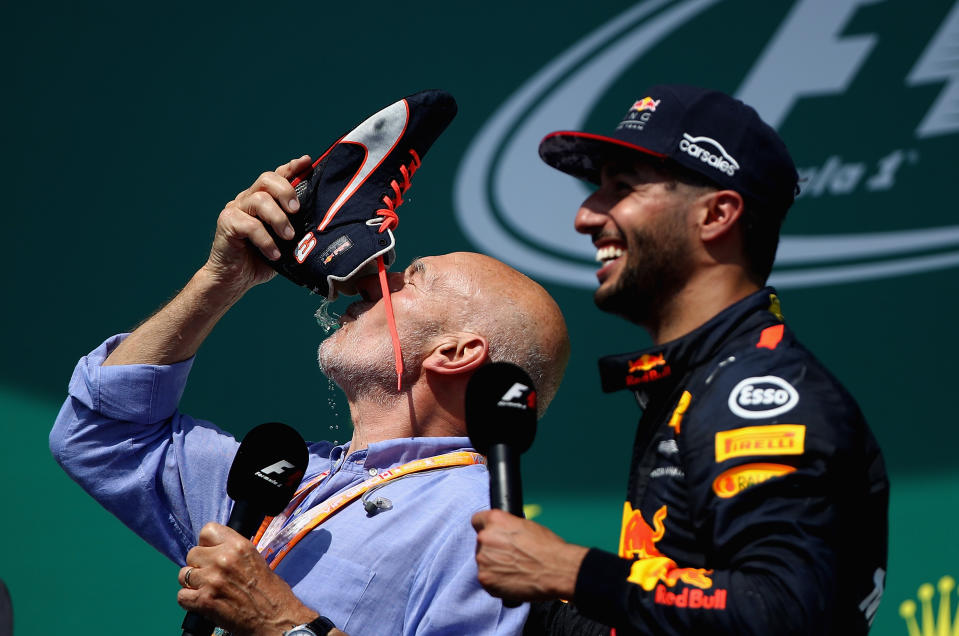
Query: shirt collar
x=394, y=452
x=657, y=370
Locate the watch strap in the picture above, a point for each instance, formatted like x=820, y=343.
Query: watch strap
x=321, y=626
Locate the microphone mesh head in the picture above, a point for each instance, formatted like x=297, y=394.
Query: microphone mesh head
x=501, y=407
x=268, y=467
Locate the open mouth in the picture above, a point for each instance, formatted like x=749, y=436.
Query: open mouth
x=608, y=253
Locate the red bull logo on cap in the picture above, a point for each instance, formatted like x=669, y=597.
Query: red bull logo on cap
x=646, y=103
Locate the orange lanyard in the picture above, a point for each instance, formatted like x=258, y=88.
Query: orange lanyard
x=276, y=538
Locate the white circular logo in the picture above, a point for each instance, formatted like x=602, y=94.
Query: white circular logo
x=762, y=397
x=515, y=207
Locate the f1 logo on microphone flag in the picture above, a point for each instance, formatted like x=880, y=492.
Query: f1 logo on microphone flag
x=279, y=470
x=276, y=468
x=514, y=397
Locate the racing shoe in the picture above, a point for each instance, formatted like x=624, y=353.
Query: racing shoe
x=348, y=197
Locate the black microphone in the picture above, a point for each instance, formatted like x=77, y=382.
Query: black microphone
x=501, y=422
x=267, y=468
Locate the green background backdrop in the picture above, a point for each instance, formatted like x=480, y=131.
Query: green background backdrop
x=126, y=129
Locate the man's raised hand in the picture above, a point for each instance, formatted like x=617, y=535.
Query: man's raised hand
x=240, y=230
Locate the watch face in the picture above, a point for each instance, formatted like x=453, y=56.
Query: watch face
x=302, y=630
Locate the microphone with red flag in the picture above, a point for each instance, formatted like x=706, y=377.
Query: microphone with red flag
x=500, y=414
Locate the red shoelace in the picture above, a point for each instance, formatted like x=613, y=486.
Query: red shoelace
x=390, y=221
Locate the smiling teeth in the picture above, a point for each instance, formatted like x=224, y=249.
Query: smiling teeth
x=609, y=253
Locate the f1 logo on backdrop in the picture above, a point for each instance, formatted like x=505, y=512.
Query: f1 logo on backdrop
x=822, y=56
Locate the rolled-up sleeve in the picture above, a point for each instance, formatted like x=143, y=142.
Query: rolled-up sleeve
x=121, y=437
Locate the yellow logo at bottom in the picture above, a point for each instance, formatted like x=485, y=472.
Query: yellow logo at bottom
x=933, y=623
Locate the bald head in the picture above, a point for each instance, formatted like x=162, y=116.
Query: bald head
x=440, y=300
x=520, y=320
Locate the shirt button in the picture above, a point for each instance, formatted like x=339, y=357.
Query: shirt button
x=373, y=472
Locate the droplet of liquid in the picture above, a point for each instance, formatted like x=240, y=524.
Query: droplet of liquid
x=331, y=400
x=327, y=320
x=334, y=411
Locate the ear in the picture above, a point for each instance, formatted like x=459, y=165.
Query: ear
x=721, y=211
x=458, y=353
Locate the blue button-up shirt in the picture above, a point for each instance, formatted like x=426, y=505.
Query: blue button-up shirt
x=409, y=569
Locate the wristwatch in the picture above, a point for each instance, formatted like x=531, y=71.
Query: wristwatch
x=319, y=626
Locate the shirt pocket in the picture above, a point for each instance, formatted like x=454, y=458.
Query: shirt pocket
x=331, y=585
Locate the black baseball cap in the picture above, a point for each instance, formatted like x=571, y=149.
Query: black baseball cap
x=706, y=131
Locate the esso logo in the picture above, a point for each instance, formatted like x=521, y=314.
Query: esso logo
x=759, y=398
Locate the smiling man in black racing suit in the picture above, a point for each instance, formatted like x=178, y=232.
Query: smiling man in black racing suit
x=757, y=496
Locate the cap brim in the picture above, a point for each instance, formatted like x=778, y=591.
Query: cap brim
x=582, y=154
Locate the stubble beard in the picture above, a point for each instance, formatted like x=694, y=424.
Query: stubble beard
x=657, y=267
x=364, y=367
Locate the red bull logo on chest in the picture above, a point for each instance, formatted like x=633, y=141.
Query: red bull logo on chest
x=653, y=569
x=691, y=598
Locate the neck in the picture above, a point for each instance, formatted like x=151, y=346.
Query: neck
x=704, y=296
x=410, y=414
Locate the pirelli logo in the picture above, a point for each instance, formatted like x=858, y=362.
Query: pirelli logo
x=751, y=441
